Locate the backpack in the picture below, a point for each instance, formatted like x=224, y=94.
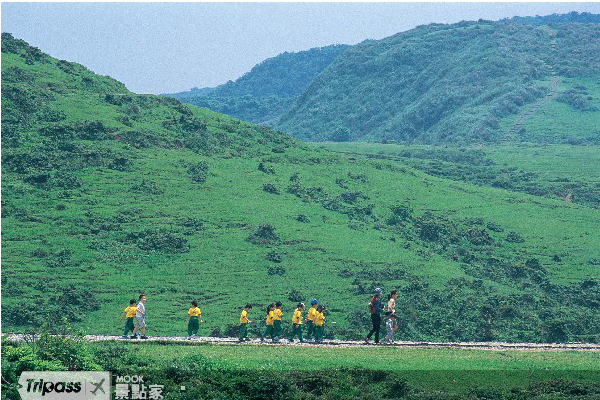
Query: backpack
x=372, y=306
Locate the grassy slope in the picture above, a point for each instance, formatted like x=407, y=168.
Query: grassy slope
x=331, y=256
x=560, y=122
x=551, y=171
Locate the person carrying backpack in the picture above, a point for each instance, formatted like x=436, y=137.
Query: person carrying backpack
x=375, y=309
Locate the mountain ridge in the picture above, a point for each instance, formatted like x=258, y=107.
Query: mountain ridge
x=418, y=86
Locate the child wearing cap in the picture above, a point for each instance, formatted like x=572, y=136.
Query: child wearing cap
x=310, y=317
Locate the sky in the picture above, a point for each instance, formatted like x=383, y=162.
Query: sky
x=172, y=47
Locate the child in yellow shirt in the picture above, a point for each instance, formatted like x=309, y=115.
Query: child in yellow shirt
x=244, y=321
x=310, y=316
x=297, y=323
x=277, y=326
x=269, y=323
x=194, y=317
x=129, y=313
x=319, y=324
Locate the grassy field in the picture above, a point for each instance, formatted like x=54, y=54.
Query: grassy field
x=106, y=196
x=449, y=370
x=378, y=358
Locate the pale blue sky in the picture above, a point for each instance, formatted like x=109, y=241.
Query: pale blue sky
x=171, y=47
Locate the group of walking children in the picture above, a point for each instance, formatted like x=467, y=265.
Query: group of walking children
x=315, y=321
x=391, y=319
x=135, y=314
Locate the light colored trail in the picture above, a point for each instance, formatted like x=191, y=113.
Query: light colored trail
x=539, y=105
x=343, y=343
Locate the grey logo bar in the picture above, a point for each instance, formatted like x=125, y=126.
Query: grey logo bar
x=65, y=385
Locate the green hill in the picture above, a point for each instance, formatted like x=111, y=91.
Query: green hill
x=269, y=89
x=107, y=193
x=520, y=80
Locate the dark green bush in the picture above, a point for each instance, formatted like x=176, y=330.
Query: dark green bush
x=140, y=139
x=302, y=218
x=39, y=253
x=400, y=213
x=267, y=169
x=159, y=240
x=120, y=164
x=296, y=296
x=270, y=188
x=514, y=237
x=492, y=226
x=61, y=259
x=147, y=187
x=577, y=99
x=276, y=270
x=93, y=130
x=198, y=172
x=193, y=224
x=479, y=237
x=58, y=132
x=275, y=257
x=66, y=180
x=264, y=234
x=118, y=99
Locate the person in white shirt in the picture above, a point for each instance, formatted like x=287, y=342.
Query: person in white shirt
x=392, y=301
x=140, y=319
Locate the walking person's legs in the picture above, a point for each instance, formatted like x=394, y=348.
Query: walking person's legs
x=243, y=331
x=372, y=331
x=277, y=328
x=376, y=321
x=269, y=332
x=128, y=326
x=319, y=334
x=195, y=326
x=310, y=330
x=377, y=328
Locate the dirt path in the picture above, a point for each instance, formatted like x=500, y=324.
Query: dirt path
x=553, y=91
x=345, y=343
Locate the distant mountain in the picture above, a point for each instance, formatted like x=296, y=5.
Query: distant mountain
x=268, y=89
x=470, y=81
x=573, y=16
x=193, y=92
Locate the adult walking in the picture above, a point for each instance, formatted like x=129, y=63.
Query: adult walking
x=376, y=309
